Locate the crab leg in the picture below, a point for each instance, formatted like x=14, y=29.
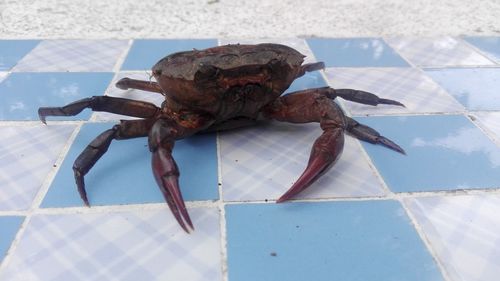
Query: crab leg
x=128, y=83
x=362, y=97
x=102, y=103
x=94, y=151
x=307, y=107
x=368, y=134
x=161, y=142
x=316, y=105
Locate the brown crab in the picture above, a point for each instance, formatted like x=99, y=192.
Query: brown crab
x=223, y=88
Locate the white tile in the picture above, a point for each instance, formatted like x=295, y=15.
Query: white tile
x=27, y=154
x=464, y=231
x=407, y=85
x=3, y=75
x=262, y=162
x=491, y=122
x=437, y=51
x=73, y=55
x=140, y=245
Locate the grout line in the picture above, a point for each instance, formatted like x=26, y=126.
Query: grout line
x=426, y=241
x=222, y=210
x=477, y=50
x=116, y=71
x=489, y=134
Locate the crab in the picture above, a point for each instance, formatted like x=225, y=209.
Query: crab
x=223, y=88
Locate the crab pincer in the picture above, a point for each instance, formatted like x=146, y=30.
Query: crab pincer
x=161, y=142
x=325, y=152
x=166, y=175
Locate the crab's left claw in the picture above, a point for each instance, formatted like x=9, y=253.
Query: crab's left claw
x=325, y=152
x=166, y=173
x=167, y=176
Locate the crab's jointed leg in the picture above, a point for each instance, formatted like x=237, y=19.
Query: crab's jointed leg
x=316, y=105
x=102, y=103
x=127, y=129
x=128, y=83
x=305, y=107
x=361, y=97
x=161, y=142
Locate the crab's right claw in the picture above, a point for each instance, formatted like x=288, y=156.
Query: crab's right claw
x=167, y=176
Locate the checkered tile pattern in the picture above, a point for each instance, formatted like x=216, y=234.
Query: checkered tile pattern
x=437, y=51
x=73, y=55
x=27, y=155
x=458, y=235
x=464, y=232
x=409, y=86
x=141, y=245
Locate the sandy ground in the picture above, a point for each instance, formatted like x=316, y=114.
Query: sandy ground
x=243, y=19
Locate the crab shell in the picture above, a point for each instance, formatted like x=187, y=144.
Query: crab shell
x=227, y=81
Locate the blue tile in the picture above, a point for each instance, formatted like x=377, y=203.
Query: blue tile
x=145, y=53
x=9, y=227
x=475, y=88
x=355, y=52
x=308, y=81
x=123, y=175
x=445, y=152
x=11, y=51
x=349, y=241
x=489, y=45
x=21, y=94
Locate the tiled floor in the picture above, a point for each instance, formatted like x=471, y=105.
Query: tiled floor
x=377, y=215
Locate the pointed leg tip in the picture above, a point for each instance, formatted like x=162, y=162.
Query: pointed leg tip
x=122, y=83
x=285, y=197
x=391, y=102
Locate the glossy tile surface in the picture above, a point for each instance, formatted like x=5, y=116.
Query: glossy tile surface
x=437, y=51
x=490, y=121
x=146, y=52
x=443, y=153
x=9, y=226
x=73, y=55
x=409, y=86
x=21, y=94
x=355, y=52
x=376, y=215
x=464, y=231
x=143, y=245
x=11, y=51
x=27, y=155
x=3, y=75
x=488, y=44
x=371, y=240
x=475, y=88
x=263, y=162
x=123, y=175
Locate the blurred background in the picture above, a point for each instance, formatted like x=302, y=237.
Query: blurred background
x=240, y=18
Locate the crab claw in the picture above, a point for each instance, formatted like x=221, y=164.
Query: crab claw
x=325, y=152
x=166, y=174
